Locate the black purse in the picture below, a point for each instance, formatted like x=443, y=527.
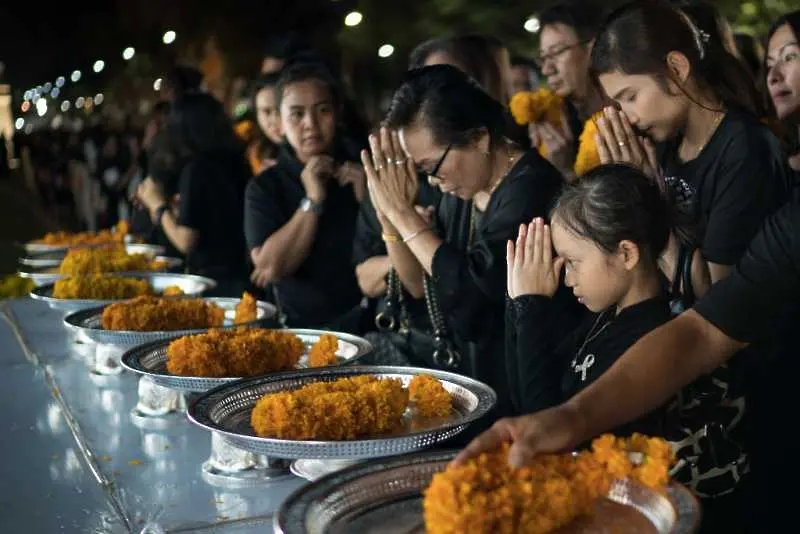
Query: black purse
x=431, y=348
x=711, y=461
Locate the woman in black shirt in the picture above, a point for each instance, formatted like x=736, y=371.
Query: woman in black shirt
x=443, y=122
x=689, y=115
x=300, y=215
x=195, y=190
x=608, y=231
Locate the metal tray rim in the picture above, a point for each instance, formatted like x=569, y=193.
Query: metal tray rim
x=198, y=410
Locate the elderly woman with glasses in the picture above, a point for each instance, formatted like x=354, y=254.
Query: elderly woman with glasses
x=441, y=123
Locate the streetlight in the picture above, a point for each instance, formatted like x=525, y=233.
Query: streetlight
x=99, y=65
x=157, y=84
x=128, y=53
x=41, y=107
x=386, y=51
x=76, y=75
x=353, y=18
x=169, y=37
x=532, y=25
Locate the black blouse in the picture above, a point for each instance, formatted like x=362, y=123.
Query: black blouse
x=470, y=278
x=547, y=367
x=324, y=287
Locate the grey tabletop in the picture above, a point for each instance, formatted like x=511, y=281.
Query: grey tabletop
x=76, y=462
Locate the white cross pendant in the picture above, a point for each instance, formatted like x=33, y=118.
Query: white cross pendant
x=583, y=368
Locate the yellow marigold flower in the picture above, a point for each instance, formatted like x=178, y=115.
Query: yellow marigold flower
x=588, y=158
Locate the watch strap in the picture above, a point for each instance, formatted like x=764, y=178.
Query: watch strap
x=309, y=205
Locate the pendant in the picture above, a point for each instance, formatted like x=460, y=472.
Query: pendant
x=583, y=368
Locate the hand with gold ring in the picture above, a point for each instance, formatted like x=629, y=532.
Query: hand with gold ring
x=393, y=187
x=617, y=143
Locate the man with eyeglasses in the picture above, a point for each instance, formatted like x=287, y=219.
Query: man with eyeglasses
x=565, y=40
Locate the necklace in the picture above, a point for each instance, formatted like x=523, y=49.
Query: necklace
x=714, y=125
x=512, y=158
x=588, y=361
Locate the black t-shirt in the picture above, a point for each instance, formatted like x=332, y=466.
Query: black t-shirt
x=211, y=189
x=324, y=287
x=738, y=179
x=470, y=278
x=548, y=366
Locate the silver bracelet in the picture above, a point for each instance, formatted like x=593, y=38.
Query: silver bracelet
x=415, y=234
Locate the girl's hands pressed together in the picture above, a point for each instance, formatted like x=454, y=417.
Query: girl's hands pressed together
x=532, y=270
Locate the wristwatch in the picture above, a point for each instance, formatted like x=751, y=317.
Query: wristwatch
x=160, y=213
x=309, y=205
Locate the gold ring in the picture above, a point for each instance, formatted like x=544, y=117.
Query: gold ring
x=399, y=162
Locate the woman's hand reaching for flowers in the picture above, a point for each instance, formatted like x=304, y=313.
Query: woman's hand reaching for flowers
x=617, y=143
x=532, y=270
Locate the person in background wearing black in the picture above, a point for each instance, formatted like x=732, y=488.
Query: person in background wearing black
x=567, y=32
x=300, y=215
x=441, y=121
x=268, y=118
x=782, y=73
x=524, y=76
x=198, y=161
x=179, y=81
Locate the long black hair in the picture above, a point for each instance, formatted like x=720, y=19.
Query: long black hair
x=451, y=104
x=614, y=203
x=637, y=37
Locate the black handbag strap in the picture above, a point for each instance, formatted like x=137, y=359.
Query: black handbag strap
x=682, y=287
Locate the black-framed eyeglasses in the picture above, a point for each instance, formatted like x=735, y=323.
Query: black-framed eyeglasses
x=555, y=53
x=438, y=165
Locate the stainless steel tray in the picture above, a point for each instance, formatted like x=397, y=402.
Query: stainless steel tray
x=191, y=285
x=89, y=324
x=32, y=247
x=43, y=276
x=385, y=496
x=151, y=360
x=54, y=259
x=227, y=410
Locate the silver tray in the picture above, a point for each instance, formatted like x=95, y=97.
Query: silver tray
x=227, y=410
x=191, y=285
x=151, y=360
x=385, y=496
x=32, y=248
x=43, y=276
x=89, y=324
x=54, y=259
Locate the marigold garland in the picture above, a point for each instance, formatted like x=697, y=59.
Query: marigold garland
x=588, y=158
x=535, y=106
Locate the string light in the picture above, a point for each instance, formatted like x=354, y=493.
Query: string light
x=128, y=53
x=532, y=25
x=157, y=84
x=99, y=65
x=19, y=123
x=76, y=76
x=169, y=37
x=385, y=50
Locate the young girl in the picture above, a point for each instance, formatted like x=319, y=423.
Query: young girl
x=608, y=231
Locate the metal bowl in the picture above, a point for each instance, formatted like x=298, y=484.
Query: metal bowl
x=191, y=285
x=54, y=259
x=89, y=324
x=385, y=496
x=50, y=275
x=151, y=360
x=227, y=410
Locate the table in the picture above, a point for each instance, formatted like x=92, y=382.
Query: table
x=74, y=460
